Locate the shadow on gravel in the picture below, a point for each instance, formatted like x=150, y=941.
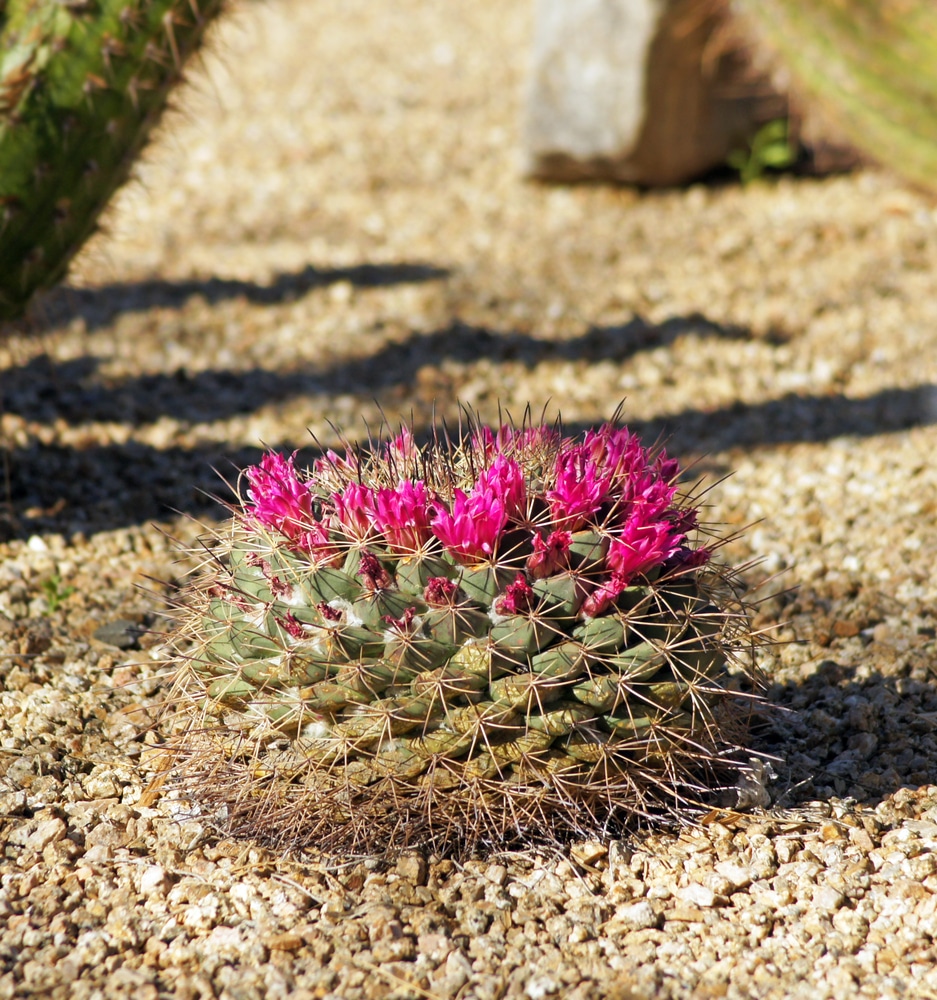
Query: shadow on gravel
x=99, y=306
x=840, y=736
x=45, y=390
x=110, y=486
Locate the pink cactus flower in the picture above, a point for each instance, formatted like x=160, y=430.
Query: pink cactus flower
x=283, y=502
x=292, y=624
x=329, y=613
x=579, y=490
x=373, y=573
x=550, y=555
x=504, y=479
x=645, y=542
x=604, y=596
x=401, y=515
x=354, y=510
x=333, y=467
x=403, y=625
x=472, y=529
x=518, y=597
x=440, y=592
x=402, y=450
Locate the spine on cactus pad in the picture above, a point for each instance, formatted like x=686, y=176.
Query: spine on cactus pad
x=81, y=86
x=506, y=639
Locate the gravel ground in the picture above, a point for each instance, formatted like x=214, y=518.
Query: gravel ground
x=333, y=226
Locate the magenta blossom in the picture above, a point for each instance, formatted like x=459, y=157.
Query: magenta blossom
x=374, y=573
x=346, y=466
x=504, y=480
x=402, y=450
x=440, y=592
x=615, y=450
x=402, y=516
x=354, y=510
x=472, y=529
x=604, y=595
x=281, y=500
x=517, y=598
x=644, y=542
x=579, y=490
x=549, y=556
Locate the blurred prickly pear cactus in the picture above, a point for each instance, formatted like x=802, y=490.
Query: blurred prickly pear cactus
x=82, y=83
x=512, y=638
x=873, y=66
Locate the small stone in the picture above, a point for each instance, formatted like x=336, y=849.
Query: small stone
x=49, y=831
x=153, y=880
x=541, y=986
x=828, y=899
x=700, y=895
x=738, y=874
x=286, y=941
x=497, y=874
x=588, y=853
x=121, y=633
x=458, y=966
x=412, y=868
x=634, y=917
x=686, y=914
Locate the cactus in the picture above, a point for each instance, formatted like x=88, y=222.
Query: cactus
x=82, y=83
x=873, y=66
x=507, y=637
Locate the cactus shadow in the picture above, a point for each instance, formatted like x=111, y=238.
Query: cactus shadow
x=99, y=306
x=45, y=389
x=106, y=486
x=840, y=735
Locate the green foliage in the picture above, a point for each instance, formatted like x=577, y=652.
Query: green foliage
x=55, y=593
x=769, y=149
x=81, y=86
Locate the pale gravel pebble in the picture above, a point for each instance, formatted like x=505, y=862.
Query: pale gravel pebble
x=340, y=231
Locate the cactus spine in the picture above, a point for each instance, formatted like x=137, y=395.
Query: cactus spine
x=507, y=639
x=82, y=83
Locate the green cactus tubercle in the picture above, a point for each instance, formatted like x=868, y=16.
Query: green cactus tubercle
x=508, y=639
x=81, y=85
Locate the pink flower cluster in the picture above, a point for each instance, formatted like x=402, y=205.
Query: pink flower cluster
x=401, y=515
x=470, y=531
x=607, y=482
x=284, y=503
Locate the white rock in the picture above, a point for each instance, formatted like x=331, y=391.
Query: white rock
x=738, y=874
x=541, y=986
x=698, y=895
x=47, y=832
x=828, y=899
x=153, y=880
x=635, y=916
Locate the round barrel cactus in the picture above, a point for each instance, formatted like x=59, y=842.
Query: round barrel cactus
x=507, y=637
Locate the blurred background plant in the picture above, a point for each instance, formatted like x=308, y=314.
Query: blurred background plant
x=770, y=149
x=82, y=85
x=872, y=66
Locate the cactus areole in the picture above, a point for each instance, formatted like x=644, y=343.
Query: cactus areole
x=82, y=83
x=510, y=638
